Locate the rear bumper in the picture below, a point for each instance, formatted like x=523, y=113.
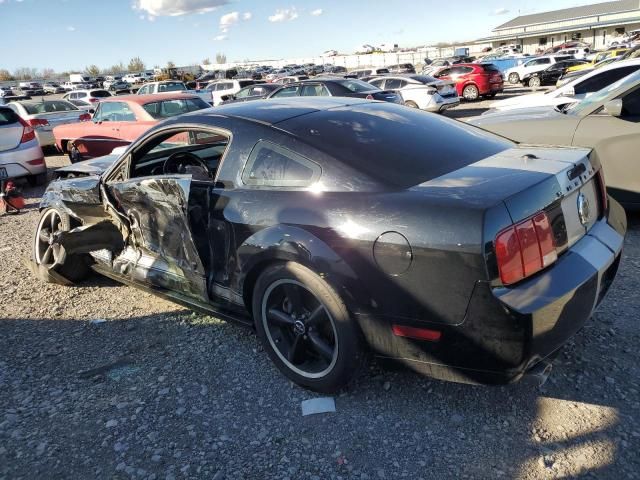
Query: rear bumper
x=508, y=331
x=16, y=161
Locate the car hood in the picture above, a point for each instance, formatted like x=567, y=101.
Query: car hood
x=530, y=99
x=95, y=166
x=517, y=115
x=543, y=101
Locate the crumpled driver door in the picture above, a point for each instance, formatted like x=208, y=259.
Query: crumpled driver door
x=160, y=250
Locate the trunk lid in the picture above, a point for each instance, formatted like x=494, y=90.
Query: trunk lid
x=10, y=130
x=58, y=118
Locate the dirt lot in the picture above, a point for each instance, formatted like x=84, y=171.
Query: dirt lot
x=104, y=381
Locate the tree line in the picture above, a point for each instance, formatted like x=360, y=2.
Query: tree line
x=135, y=65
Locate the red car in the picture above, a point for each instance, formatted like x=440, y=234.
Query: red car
x=117, y=121
x=474, y=80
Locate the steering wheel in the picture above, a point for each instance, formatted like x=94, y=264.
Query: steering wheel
x=178, y=162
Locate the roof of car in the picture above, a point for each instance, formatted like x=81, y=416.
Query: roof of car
x=273, y=111
x=144, y=99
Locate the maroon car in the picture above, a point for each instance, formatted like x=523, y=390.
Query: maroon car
x=117, y=121
x=474, y=80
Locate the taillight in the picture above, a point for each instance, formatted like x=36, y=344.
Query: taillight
x=37, y=161
x=604, y=198
x=93, y=100
x=28, y=133
x=38, y=122
x=525, y=248
x=85, y=117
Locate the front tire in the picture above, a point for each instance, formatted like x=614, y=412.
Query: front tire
x=305, y=328
x=410, y=104
x=514, y=78
x=50, y=259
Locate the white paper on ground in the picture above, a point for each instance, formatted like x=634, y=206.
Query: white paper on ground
x=318, y=405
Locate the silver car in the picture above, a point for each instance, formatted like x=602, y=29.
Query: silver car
x=608, y=121
x=44, y=116
x=20, y=152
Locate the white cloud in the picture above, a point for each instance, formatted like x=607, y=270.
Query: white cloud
x=284, y=15
x=174, y=8
x=500, y=11
x=71, y=29
x=219, y=38
x=317, y=12
x=229, y=19
x=246, y=16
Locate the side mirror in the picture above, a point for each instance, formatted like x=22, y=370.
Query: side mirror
x=224, y=98
x=613, y=107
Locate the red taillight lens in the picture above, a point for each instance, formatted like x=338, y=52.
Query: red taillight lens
x=37, y=161
x=93, y=100
x=28, y=133
x=38, y=122
x=604, y=198
x=525, y=248
x=85, y=117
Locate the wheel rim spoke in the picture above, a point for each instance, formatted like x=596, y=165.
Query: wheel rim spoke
x=53, y=222
x=280, y=318
x=295, y=349
x=44, y=236
x=320, y=346
x=316, y=316
x=293, y=294
x=46, y=258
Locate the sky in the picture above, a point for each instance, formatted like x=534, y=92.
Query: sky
x=72, y=34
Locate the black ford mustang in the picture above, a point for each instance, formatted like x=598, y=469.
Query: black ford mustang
x=336, y=226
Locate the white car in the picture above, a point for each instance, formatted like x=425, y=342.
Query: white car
x=91, y=96
x=20, y=152
x=368, y=72
x=133, y=78
x=573, y=91
x=516, y=74
x=329, y=53
x=44, y=116
x=421, y=91
x=71, y=86
x=220, y=88
x=581, y=53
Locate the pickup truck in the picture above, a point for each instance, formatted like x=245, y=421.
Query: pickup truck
x=171, y=86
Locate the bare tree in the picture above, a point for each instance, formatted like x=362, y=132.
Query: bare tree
x=93, y=70
x=25, y=73
x=206, y=61
x=221, y=58
x=48, y=73
x=136, y=64
x=171, y=64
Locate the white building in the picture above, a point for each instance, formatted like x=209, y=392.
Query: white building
x=596, y=24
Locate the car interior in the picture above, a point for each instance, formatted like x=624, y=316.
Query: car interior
x=194, y=152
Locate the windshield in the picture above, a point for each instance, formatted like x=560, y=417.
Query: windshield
x=357, y=86
x=601, y=96
x=171, y=87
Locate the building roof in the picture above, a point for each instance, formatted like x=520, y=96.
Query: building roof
x=572, y=13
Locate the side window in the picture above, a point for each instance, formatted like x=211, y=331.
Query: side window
x=243, y=93
x=292, y=91
x=97, y=115
x=377, y=83
x=544, y=61
x=394, y=84
x=444, y=72
x=144, y=90
x=314, y=91
x=275, y=166
x=116, y=112
x=598, y=82
x=81, y=94
x=631, y=104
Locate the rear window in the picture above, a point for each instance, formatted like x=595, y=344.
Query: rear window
x=171, y=108
x=489, y=67
x=49, y=107
x=396, y=146
x=356, y=86
x=424, y=79
x=246, y=83
x=7, y=117
x=100, y=93
x=171, y=87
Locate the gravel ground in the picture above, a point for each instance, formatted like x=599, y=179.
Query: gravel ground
x=105, y=381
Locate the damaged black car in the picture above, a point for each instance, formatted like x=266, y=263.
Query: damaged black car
x=342, y=227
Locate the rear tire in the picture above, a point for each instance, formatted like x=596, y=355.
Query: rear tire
x=470, y=93
x=305, y=328
x=410, y=104
x=74, y=153
x=50, y=261
x=514, y=78
x=534, y=82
